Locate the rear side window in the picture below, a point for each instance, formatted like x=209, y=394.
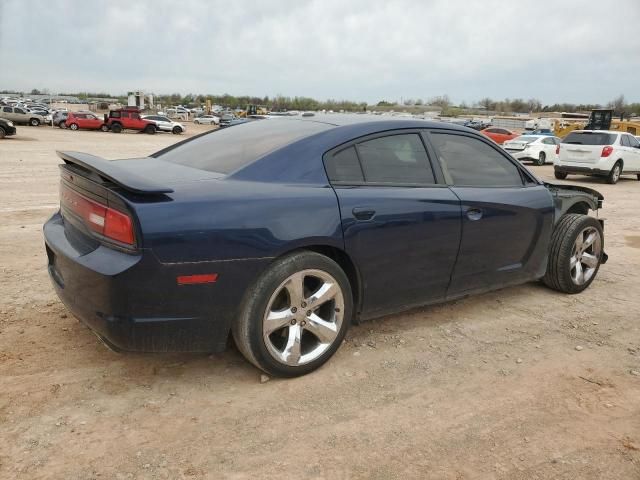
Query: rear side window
x=344, y=166
x=624, y=141
x=229, y=149
x=7, y=109
x=590, y=138
x=471, y=162
x=395, y=159
x=548, y=141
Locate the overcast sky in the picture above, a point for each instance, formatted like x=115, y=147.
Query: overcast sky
x=365, y=50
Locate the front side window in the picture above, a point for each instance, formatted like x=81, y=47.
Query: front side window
x=19, y=110
x=624, y=141
x=633, y=142
x=395, y=159
x=7, y=109
x=471, y=162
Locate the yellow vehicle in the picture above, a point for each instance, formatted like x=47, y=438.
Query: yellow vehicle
x=599, y=120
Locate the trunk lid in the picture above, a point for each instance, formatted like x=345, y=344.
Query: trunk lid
x=98, y=197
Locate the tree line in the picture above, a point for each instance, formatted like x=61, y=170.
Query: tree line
x=441, y=102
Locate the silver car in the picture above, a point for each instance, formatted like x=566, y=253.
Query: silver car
x=21, y=116
x=208, y=120
x=165, y=124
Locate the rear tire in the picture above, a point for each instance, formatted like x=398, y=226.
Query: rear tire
x=176, y=130
x=116, y=128
x=2, y=132
x=150, y=130
x=34, y=122
x=614, y=174
x=281, y=293
x=560, y=175
x=62, y=125
x=570, y=258
x=73, y=126
x=542, y=159
x=104, y=128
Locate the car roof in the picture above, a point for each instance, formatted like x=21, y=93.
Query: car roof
x=373, y=122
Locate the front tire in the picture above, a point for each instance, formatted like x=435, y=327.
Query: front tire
x=176, y=130
x=62, y=125
x=560, y=175
x=575, y=254
x=73, y=126
x=2, y=132
x=150, y=130
x=104, y=128
x=295, y=316
x=34, y=122
x=116, y=128
x=542, y=159
x=614, y=174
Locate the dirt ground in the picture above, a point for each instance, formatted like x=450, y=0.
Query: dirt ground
x=523, y=383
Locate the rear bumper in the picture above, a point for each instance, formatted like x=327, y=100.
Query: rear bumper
x=580, y=170
x=134, y=303
x=521, y=155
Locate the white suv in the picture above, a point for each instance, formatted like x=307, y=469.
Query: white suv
x=165, y=124
x=598, y=152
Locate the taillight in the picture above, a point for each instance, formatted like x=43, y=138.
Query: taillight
x=606, y=151
x=558, y=150
x=98, y=217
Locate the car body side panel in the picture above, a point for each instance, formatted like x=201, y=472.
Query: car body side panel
x=227, y=220
x=406, y=251
x=509, y=243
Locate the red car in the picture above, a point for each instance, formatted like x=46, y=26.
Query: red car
x=499, y=135
x=87, y=121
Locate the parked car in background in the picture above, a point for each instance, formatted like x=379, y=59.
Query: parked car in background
x=283, y=233
x=499, y=135
x=207, y=120
x=128, y=118
x=226, y=119
x=539, y=149
x=59, y=118
x=7, y=128
x=165, y=124
x=21, y=116
x=84, y=121
x=604, y=153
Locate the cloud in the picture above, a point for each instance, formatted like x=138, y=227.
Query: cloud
x=360, y=50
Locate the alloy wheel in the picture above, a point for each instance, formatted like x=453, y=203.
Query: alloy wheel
x=303, y=317
x=585, y=256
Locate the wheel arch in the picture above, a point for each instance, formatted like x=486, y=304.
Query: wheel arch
x=345, y=262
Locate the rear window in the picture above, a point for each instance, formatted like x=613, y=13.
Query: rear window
x=229, y=149
x=590, y=138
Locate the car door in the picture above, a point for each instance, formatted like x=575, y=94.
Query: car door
x=401, y=223
x=635, y=152
x=7, y=114
x=549, y=148
x=507, y=215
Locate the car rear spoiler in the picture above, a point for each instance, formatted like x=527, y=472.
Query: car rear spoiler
x=113, y=172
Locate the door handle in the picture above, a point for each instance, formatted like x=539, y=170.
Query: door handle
x=474, y=214
x=363, y=213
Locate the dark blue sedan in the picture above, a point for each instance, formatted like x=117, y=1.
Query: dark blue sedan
x=284, y=232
